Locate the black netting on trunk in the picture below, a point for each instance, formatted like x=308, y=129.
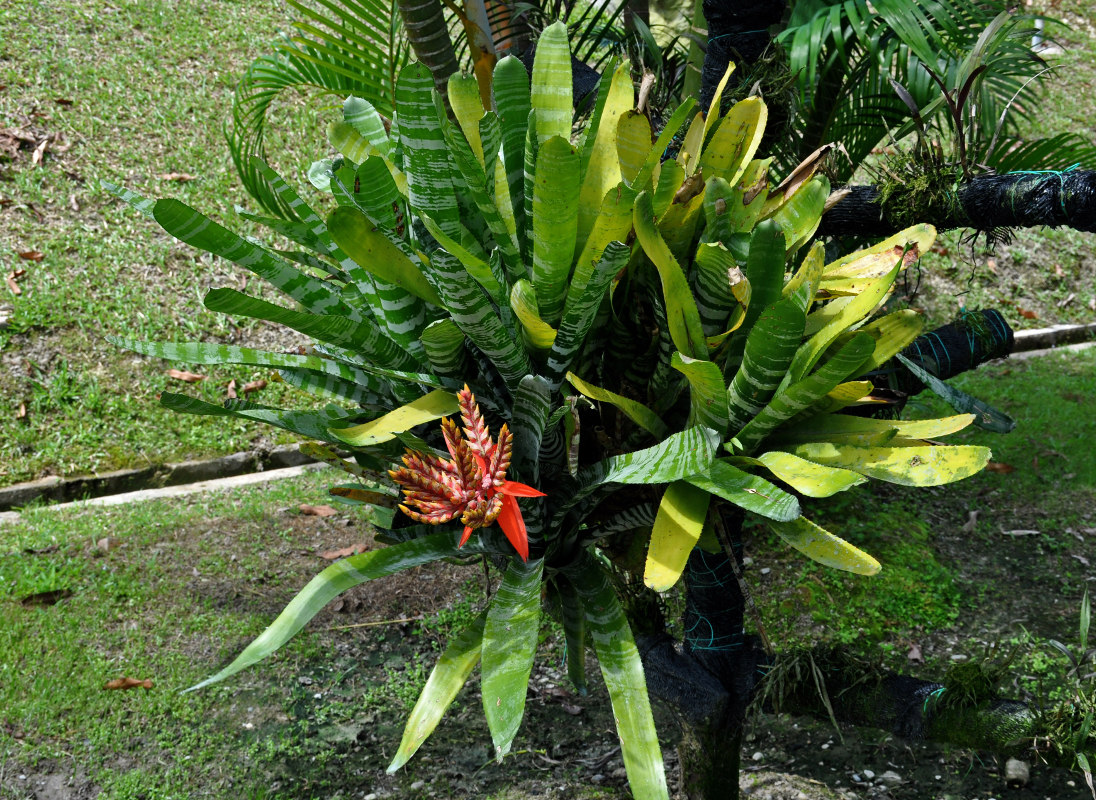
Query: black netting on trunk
x=737, y=31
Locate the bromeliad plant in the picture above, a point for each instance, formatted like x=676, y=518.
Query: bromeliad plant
x=651, y=339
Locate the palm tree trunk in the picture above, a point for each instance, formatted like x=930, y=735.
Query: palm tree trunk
x=428, y=34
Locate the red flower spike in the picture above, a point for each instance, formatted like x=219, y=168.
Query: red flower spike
x=472, y=486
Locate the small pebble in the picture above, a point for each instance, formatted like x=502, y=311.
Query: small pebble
x=765, y=570
x=890, y=776
x=826, y=746
x=370, y=796
x=958, y=657
x=758, y=756
x=938, y=777
x=868, y=774
x=856, y=778
x=597, y=778
x=417, y=785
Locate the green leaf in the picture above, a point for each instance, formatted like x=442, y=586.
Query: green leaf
x=850, y=313
x=613, y=224
x=551, y=88
x=622, y=670
x=677, y=528
x=139, y=202
x=800, y=216
x=478, y=268
x=681, y=312
x=373, y=393
x=707, y=394
x=735, y=141
x=893, y=333
x=673, y=125
x=333, y=581
x=573, y=617
x=443, y=343
x=511, y=87
x=532, y=402
x=679, y=455
x=555, y=223
x=747, y=491
x=719, y=286
x=846, y=429
x=429, y=171
x=464, y=97
x=806, y=477
x=445, y=681
x=373, y=251
x=581, y=310
x=600, y=167
x=985, y=415
x=523, y=300
x=187, y=225
x=802, y=395
x=822, y=546
x=634, y=410
x=928, y=465
x=633, y=144
x=770, y=347
x=509, y=644
x=311, y=424
x=435, y=405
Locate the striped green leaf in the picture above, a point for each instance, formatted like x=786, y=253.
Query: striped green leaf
x=511, y=88
x=985, y=415
x=375, y=253
x=401, y=315
x=927, y=465
x=718, y=287
x=800, y=217
x=677, y=528
x=573, y=617
x=634, y=410
x=555, y=223
x=678, y=456
x=348, y=142
x=474, y=315
x=429, y=172
x=803, y=394
x=707, y=394
x=770, y=347
x=747, y=491
x=532, y=402
x=311, y=424
x=623, y=673
x=532, y=147
x=613, y=224
x=803, y=285
x=681, y=312
x=551, y=87
x=368, y=391
x=444, y=345
x=669, y=131
x=366, y=120
x=435, y=405
x=509, y=644
x=479, y=268
x=846, y=429
x=187, y=225
x=464, y=98
x=633, y=142
x=139, y=202
x=378, y=196
x=822, y=546
x=333, y=581
x=764, y=270
x=445, y=681
x=581, y=310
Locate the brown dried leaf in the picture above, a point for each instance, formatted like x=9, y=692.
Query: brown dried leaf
x=108, y=543
x=12, y=285
x=345, y=552
x=40, y=151
x=1058, y=271
x=254, y=386
x=991, y=264
x=1000, y=467
x=183, y=375
x=914, y=654
x=1028, y=314
x=46, y=598
x=32, y=255
x=178, y=177
x=22, y=412
x=128, y=683
x=62, y=101
x=230, y=392
x=317, y=511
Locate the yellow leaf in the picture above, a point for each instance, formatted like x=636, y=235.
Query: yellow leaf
x=822, y=546
x=435, y=405
x=677, y=528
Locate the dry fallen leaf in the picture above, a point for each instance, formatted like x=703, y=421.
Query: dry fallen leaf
x=1000, y=467
x=1082, y=559
x=128, y=683
x=12, y=285
x=183, y=375
x=40, y=151
x=230, y=392
x=254, y=386
x=972, y=520
x=108, y=543
x=1027, y=314
x=22, y=412
x=178, y=177
x=914, y=654
x=345, y=552
x=32, y=255
x=317, y=511
x=72, y=203
x=62, y=101
x=1063, y=303
x=1058, y=271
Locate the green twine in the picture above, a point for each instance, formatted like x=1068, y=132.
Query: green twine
x=736, y=33
x=929, y=696
x=1059, y=173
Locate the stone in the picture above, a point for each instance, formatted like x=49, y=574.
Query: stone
x=891, y=777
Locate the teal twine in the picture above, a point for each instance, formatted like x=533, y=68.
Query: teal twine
x=736, y=33
x=925, y=709
x=1060, y=173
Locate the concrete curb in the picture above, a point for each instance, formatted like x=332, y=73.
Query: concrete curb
x=1046, y=338
x=54, y=489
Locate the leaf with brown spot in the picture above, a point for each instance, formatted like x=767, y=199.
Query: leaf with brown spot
x=183, y=375
x=178, y=177
x=317, y=511
x=254, y=386
x=32, y=255
x=128, y=683
x=46, y=598
x=345, y=552
x=999, y=467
